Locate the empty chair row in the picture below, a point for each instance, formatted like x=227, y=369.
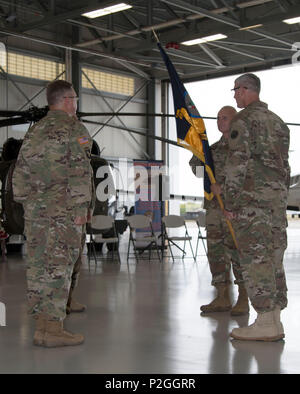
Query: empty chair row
x=142, y=237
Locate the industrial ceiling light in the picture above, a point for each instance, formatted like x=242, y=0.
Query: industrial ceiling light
x=292, y=20
x=107, y=10
x=202, y=40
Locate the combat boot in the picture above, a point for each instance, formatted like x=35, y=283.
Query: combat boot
x=221, y=303
x=56, y=336
x=40, y=328
x=263, y=329
x=277, y=312
x=74, y=306
x=242, y=305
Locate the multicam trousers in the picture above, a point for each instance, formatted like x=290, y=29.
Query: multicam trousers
x=77, y=267
x=261, y=237
x=52, y=250
x=221, y=249
x=279, y=225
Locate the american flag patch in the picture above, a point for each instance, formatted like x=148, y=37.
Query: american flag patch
x=83, y=140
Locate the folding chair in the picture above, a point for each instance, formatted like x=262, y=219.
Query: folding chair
x=147, y=238
x=100, y=227
x=176, y=221
x=200, y=220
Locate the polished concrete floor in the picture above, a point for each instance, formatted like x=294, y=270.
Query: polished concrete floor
x=144, y=319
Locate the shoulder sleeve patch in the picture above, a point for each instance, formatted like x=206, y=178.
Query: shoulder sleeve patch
x=238, y=135
x=83, y=140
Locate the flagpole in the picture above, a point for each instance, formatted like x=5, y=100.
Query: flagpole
x=220, y=201
x=155, y=35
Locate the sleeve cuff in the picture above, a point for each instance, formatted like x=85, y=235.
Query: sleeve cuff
x=81, y=210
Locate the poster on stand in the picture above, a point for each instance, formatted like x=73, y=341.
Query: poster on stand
x=151, y=191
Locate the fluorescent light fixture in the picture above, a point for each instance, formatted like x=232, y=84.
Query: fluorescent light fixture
x=108, y=10
x=292, y=20
x=204, y=39
x=250, y=27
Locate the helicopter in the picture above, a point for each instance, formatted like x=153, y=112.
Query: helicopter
x=294, y=194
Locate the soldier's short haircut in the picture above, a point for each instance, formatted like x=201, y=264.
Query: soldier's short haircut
x=228, y=108
x=249, y=81
x=57, y=90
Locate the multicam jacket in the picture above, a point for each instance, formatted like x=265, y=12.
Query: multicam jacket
x=257, y=168
x=219, y=151
x=53, y=176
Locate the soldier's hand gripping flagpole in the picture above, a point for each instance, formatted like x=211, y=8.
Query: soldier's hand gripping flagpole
x=221, y=204
x=191, y=133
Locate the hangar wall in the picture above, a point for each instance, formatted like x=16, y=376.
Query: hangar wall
x=19, y=92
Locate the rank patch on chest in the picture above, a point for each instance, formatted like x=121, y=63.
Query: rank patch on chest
x=83, y=140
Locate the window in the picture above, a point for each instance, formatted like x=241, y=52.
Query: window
x=108, y=82
x=33, y=67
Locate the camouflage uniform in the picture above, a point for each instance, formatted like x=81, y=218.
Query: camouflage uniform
x=221, y=250
x=52, y=180
x=257, y=178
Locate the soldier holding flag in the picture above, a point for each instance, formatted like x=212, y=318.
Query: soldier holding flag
x=221, y=249
x=256, y=187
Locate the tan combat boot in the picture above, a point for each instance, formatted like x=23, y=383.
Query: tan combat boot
x=221, y=303
x=242, y=305
x=263, y=329
x=276, y=313
x=56, y=336
x=40, y=328
x=74, y=306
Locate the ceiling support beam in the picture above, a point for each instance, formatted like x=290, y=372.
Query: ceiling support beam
x=187, y=56
x=224, y=20
x=211, y=54
x=261, y=46
x=239, y=52
x=76, y=48
x=52, y=19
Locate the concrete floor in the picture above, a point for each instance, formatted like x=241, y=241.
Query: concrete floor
x=144, y=319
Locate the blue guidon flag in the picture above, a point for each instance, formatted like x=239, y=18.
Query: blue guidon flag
x=191, y=133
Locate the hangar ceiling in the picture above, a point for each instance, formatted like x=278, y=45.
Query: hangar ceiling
x=256, y=36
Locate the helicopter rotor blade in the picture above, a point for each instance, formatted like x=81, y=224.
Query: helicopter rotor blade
x=33, y=114
x=6, y=114
x=83, y=114
x=133, y=131
x=13, y=121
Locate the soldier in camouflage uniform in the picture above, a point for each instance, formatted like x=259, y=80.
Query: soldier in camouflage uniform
x=256, y=187
x=220, y=246
x=52, y=180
